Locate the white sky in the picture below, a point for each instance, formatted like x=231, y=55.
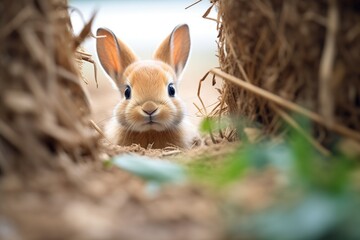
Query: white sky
x=143, y=24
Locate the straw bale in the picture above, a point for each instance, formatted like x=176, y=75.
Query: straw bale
x=303, y=51
x=43, y=109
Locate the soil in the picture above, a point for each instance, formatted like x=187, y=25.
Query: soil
x=95, y=202
x=108, y=203
x=89, y=201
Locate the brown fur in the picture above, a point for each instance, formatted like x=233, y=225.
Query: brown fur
x=149, y=116
x=153, y=138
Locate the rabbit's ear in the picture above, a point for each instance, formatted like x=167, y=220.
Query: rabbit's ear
x=113, y=54
x=175, y=49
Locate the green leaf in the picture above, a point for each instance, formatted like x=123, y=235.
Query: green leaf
x=152, y=170
x=219, y=174
x=211, y=124
x=312, y=217
x=207, y=125
x=108, y=163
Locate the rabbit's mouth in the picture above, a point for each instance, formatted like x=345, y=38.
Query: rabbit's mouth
x=152, y=125
x=151, y=122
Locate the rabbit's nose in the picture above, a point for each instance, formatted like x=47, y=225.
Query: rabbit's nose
x=149, y=107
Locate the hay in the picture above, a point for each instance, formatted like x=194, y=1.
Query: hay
x=45, y=128
x=43, y=109
x=306, y=52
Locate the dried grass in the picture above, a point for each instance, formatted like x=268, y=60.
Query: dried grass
x=305, y=52
x=45, y=128
x=43, y=109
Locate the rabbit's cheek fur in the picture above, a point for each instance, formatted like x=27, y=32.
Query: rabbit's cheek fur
x=179, y=113
x=119, y=113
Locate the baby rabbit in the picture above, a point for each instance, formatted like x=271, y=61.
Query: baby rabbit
x=150, y=110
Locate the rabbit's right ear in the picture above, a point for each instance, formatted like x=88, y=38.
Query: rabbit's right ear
x=113, y=54
x=175, y=49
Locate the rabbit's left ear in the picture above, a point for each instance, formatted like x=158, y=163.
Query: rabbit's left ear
x=175, y=49
x=114, y=55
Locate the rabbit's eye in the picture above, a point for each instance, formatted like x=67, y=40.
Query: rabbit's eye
x=127, y=92
x=171, y=90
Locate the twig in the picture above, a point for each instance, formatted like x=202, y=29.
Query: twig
x=199, y=91
x=170, y=153
x=222, y=103
x=326, y=99
x=297, y=127
x=85, y=32
x=200, y=111
x=98, y=129
x=88, y=58
x=193, y=4
x=207, y=12
x=83, y=54
x=203, y=105
x=340, y=129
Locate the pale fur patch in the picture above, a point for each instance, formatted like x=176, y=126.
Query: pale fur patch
x=112, y=130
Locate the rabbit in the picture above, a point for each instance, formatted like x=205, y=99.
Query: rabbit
x=150, y=112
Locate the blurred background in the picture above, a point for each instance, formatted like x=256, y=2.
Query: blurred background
x=143, y=25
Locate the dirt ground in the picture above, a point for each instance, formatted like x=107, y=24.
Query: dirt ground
x=94, y=202
x=108, y=203
x=88, y=201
